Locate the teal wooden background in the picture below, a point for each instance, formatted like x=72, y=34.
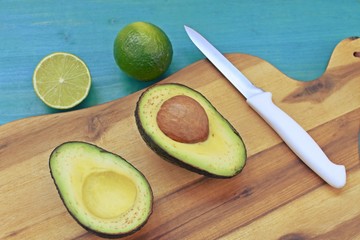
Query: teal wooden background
x=296, y=36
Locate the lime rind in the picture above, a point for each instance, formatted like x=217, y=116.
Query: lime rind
x=143, y=51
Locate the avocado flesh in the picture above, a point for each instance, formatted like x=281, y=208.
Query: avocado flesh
x=222, y=154
x=101, y=190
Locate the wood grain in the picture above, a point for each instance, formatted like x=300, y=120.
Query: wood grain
x=275, y=197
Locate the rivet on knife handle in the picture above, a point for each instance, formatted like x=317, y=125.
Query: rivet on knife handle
x=299, y=141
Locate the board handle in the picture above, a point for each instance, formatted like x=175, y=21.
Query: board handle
x=299, y=141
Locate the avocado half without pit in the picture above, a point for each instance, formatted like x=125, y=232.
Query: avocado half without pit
x=101, y=190
x=183, y=127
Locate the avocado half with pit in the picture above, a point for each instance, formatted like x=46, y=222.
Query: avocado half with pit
x=183, y=127
x=101, y=190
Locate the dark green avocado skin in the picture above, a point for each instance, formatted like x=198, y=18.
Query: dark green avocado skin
x=166, y=156
x=100, y=234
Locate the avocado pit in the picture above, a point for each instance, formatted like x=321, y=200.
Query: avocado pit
x=183, y=119
x=180, y=125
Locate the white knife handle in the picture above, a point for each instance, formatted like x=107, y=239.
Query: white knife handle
x=299, y=141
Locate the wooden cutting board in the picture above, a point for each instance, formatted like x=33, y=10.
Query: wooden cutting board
x=275, y=197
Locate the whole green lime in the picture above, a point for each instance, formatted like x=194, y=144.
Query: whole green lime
x=143, y=51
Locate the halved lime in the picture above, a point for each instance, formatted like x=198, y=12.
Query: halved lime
x=61, y=80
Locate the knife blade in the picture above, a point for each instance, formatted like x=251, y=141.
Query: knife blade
x=298, y=140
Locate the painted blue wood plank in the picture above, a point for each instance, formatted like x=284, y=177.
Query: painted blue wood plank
x=296, y=36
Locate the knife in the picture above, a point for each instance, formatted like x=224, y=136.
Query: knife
x=298, y=140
